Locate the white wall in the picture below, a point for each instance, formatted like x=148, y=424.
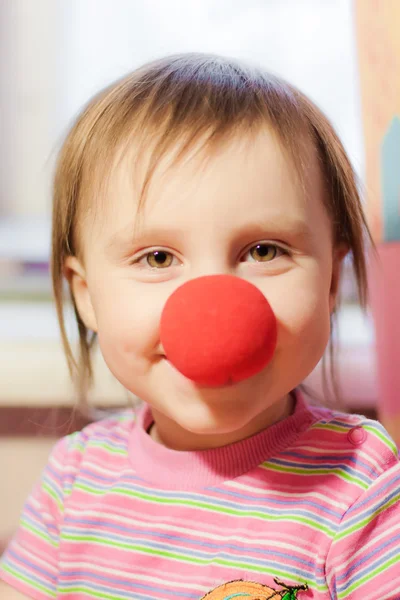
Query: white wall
x=29, y=58
x=309, y=42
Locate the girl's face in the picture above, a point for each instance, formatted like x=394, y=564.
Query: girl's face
x=205, y=217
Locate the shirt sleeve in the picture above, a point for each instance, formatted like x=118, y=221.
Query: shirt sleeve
x=364, y=558
x=30, y=563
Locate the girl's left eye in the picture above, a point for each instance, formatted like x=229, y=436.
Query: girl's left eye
x=159, y=259
x=264, y=252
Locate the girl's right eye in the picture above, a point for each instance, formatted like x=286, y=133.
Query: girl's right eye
x=156, y=259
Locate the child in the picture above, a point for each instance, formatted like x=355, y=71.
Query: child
x=197, y=165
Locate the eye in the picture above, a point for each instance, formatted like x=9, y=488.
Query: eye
x=159, y=259
x=264, y=252
x=156, y=259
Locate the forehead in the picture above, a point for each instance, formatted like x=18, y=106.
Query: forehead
x=209, y=185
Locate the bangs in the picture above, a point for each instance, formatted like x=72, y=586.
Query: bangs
x=175, y=107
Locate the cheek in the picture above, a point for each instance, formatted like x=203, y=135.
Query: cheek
x=128, y=325
x=304, y=316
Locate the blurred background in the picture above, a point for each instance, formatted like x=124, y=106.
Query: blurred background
x=55, y=54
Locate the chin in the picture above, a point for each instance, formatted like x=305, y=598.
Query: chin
x=204, y=419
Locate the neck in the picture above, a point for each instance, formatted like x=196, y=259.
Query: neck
x=167, y=432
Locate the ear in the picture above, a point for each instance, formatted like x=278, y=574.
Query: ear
x=339, y=253
x=76, y=277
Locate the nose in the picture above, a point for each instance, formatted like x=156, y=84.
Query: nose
x=218, y=329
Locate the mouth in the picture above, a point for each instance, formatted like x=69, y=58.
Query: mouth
x=197, y=384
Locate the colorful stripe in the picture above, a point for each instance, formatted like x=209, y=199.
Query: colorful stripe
x=320, y=511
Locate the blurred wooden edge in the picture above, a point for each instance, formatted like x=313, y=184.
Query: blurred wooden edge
x=58, y=421
x=41, y=421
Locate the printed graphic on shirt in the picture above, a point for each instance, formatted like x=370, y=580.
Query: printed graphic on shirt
x=239, y=589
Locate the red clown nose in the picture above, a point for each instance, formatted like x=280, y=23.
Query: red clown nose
x=218, y=329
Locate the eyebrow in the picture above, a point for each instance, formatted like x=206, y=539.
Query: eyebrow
x=123, y=240
x=295, y=229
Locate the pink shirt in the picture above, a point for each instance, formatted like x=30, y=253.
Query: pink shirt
x=314, y=499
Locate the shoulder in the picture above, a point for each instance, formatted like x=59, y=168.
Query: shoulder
x=113, y=430
x=103, y=441
x=353, y=437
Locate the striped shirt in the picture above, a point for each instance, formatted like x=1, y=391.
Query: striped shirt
x=314, y=499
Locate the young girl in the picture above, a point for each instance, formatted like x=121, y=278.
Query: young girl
x=194, y=166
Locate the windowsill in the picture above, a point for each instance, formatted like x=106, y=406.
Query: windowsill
x=34, y=370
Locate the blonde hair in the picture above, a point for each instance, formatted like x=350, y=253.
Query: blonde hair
x=174, y=102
